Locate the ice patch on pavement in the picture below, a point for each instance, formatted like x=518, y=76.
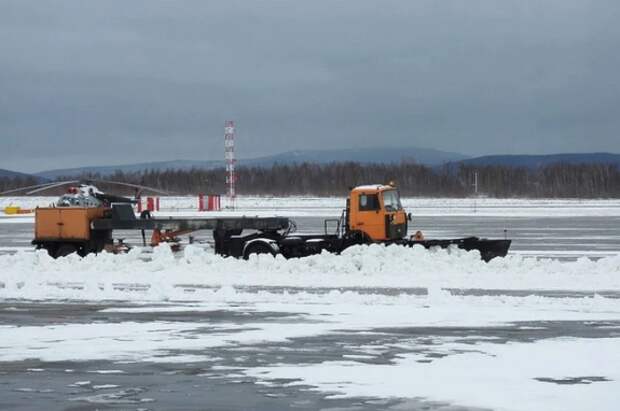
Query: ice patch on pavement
x=105, y=386
x=80, y=384
x=106, y=276
x=190, y=341
x=497, y=376
x=469, y=370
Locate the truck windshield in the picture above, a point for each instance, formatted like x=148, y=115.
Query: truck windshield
x=391, y=200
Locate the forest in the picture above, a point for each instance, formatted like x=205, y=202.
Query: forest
x=555, y=181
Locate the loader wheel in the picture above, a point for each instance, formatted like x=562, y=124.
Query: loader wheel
x=65, y=249
x=257, y=248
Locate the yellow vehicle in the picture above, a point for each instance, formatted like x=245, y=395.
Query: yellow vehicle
x=12, y=210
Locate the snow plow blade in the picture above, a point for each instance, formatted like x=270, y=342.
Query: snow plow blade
x=488, y=249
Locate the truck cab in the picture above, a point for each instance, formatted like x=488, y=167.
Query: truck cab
x=376, y=212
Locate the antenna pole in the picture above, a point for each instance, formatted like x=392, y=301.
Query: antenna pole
x=229, y=155
x=476, y=182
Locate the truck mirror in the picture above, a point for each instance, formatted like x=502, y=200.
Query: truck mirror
x=409, y=217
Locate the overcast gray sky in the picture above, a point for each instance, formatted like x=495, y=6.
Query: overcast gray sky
x=112, y=82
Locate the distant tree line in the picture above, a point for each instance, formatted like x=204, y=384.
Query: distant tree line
x=8, y=183
x=554, y=181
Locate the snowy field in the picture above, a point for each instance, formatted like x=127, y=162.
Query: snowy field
x=332, y=206
x=375, y=328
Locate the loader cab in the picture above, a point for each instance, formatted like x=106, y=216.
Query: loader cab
x=376, y=211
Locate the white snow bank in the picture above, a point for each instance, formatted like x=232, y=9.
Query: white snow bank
x=164, y=277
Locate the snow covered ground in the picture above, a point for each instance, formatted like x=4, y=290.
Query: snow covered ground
x=332, y=206
x=375, y=328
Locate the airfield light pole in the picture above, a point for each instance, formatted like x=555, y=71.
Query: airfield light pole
x=476, y=183
x=229, y=155
x=475, y=191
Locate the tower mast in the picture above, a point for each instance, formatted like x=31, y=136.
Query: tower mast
x=229, y=155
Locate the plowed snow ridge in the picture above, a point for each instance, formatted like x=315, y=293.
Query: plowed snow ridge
x=165, y=277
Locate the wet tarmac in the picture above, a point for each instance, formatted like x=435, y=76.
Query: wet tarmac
x=213, y=385
x=218, y=384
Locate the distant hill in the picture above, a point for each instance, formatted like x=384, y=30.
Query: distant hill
x=383, y=155
x=429, y=157
x=425, y=156
x=129, y=168
x=537, y=161
x=12, y=174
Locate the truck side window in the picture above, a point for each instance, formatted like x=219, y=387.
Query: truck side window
x=369, y=202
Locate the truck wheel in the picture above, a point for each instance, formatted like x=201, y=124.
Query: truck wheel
x=359, y=237
x=65, y=249
x=257, y=248
x=50, y=248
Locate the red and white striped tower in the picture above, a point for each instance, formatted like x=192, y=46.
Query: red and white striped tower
x=229, y=154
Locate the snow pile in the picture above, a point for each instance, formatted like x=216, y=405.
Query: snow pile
x=164, y=276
